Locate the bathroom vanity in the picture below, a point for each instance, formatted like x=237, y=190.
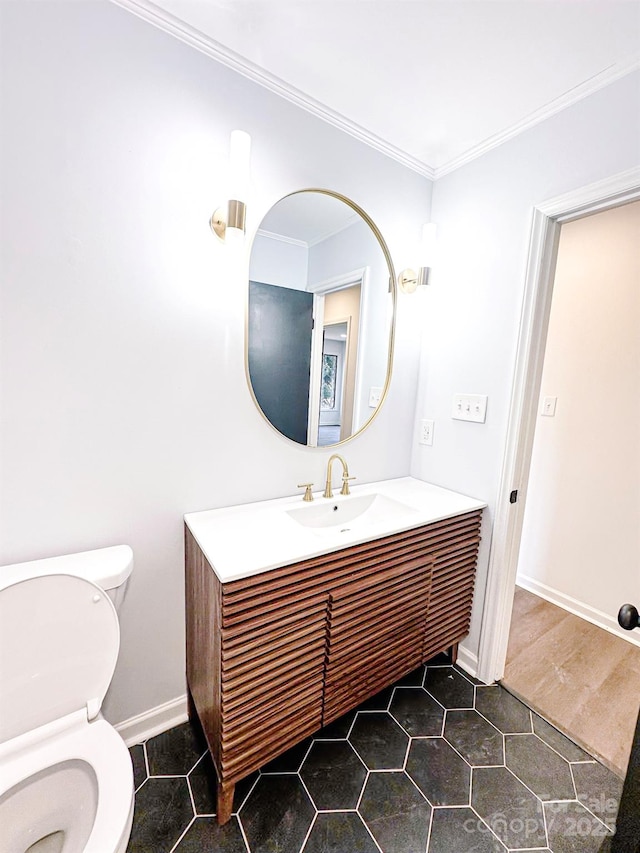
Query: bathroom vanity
x=297, y=613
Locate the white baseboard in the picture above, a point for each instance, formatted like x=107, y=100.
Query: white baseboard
x=578, y=608
x=468, y=661
x=153, y=722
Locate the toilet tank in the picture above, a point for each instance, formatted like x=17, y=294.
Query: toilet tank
x=109, y=568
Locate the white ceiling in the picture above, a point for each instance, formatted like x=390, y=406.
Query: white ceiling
x=433, y=83
x=307, y=218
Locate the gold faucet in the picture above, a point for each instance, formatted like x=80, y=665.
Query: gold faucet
x=345, y=477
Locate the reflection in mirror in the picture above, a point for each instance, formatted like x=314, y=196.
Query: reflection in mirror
x=320, y=318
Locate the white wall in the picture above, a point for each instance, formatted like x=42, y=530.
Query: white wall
x=124, y=399
x=472, y=309
x=581, y=535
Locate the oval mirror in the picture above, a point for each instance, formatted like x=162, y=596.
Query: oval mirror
x=320, y=319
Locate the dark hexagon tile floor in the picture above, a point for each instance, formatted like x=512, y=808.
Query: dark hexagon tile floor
x=477, y=741
x=333, y=775
x=419, y=714
x=396, y=813
x=462, y=831
x=541, y=769
x=567, y=748
x=277, y=814
x=163, y=810
x=338, y=729
x=379, y=741
x=174, y=753
x=205, y=834
x=437, y=763
x=442, y=775
x=337, y=832
x=599, y=790
x=449, y=687
x=573, y=829
x=503, y=710
x=510, y=809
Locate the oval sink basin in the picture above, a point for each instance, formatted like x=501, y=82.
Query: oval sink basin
x=344, y=511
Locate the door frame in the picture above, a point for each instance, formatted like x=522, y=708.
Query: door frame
x=320, y=290
x=547, y=220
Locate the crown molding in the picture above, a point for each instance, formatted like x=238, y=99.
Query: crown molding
x=577, y=93
x=194, y=38
x=153, y=14
x=281, y=238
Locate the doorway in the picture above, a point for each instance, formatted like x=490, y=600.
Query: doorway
x=334, y=350
x=580, y=546
x=336, y=365
x=509, y=513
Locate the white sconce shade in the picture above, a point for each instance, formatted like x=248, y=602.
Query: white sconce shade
x=233, y=216
x=239, y=165
x=428, y=245
x=409, y=280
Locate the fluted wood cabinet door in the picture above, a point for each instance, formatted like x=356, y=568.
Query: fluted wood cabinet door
x=376, y=631
x=272, y=672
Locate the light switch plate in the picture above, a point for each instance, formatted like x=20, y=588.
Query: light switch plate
x=470, y=407
x=548, y=408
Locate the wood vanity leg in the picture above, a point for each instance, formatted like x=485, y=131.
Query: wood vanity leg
x=225, y=802
x=191, y=708
x=453, y=651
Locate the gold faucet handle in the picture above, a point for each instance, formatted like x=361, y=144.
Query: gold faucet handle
x=308, y=495
x=345, y=485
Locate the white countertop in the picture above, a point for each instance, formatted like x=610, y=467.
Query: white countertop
x=240, y=541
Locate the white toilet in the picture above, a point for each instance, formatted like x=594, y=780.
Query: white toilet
x=66, y=781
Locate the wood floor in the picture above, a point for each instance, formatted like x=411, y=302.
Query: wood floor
x=581, y=678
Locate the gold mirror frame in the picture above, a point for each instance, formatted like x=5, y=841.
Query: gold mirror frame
x=392, y=289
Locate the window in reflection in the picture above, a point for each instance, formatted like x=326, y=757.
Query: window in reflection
x=329, y=376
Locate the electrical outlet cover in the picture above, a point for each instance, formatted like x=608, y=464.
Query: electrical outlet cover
x=426, y=432
x=375, y=395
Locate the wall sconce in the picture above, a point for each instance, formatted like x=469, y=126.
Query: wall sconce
x=409, y=280
x=235, y=213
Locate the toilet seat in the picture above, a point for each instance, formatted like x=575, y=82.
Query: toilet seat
x=98, y=745
x=59, y=642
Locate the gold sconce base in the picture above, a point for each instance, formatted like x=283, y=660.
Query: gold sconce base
x=409, y=280
x=218, y=223
x=233, y=217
